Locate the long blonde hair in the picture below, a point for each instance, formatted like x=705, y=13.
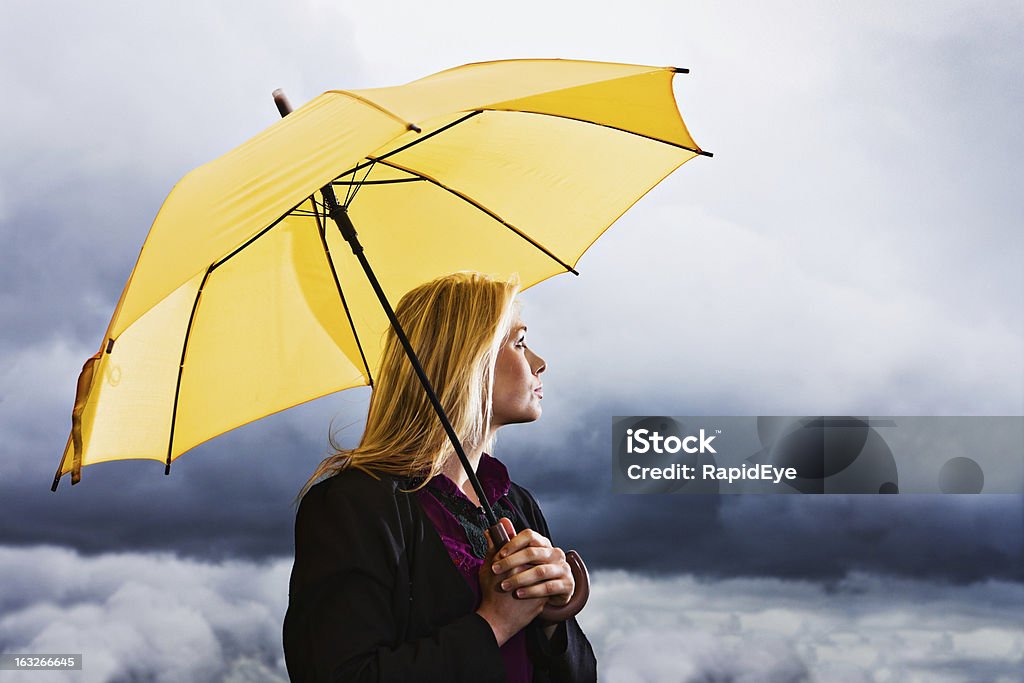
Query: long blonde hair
x=455, y=325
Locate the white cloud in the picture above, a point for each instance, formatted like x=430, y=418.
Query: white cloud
x=154, y=616
x=161, y=87
x=131, y=613
x=867, y=629
x=724, y=319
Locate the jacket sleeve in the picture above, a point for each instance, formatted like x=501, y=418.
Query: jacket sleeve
x=341, y=624
x=568, y=657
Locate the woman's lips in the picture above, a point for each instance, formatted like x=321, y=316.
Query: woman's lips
x=539, y=391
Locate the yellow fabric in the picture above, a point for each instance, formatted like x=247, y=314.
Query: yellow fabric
x=551, y=158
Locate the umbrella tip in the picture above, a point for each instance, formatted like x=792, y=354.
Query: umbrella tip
x=414, y=127
x=679, y=70
x=284, y=107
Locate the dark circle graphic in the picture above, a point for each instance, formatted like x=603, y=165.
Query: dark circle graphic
x=830, y=454
x=961, y=475
x=769, y=428
x=820, y=447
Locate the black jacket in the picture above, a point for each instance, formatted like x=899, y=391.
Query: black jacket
x=374, y=596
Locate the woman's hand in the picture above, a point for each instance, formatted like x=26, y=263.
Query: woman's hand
x=505, y=613
x=531, y=567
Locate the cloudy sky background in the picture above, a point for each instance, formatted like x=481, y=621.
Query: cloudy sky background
x=853, y=248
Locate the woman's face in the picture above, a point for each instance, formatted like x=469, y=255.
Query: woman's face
x=517, y=386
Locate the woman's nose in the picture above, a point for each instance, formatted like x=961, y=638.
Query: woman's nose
x=537, y=363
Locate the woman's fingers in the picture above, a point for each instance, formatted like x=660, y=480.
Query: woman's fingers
x=547, y=589
x=542, y=584
x=526, y=547
x=538, y=575
x=533, y=568
x=527, y=556
x=525, y=538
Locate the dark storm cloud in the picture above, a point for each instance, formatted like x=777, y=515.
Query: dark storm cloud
x=67, y=256
x=232, y=498
x=229, y=498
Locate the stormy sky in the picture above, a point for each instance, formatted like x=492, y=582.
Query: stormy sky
x=853, y=248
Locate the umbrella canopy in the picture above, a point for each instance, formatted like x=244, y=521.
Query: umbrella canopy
x=245, y=301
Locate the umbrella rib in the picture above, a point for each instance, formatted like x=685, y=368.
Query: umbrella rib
x=410, y=144
x=487, y=211
x=195, y=307
x=337, y=283
x=371, y=103
x=181, y=366
x=294, y=211
x=258, y=235
x=376, y=182
x=354, y=189
x=605, y=125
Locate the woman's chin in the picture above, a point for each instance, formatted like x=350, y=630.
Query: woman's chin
x=525, y=416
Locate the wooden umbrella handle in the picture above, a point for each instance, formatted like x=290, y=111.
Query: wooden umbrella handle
x=552, y=614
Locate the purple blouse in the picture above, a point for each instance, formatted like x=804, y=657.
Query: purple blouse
x=460, y=524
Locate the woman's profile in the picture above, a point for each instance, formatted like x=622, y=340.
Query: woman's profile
x=394, y=576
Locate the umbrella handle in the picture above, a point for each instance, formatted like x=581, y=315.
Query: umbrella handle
x=552, y=614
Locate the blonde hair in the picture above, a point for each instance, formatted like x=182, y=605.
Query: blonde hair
x=456, y=325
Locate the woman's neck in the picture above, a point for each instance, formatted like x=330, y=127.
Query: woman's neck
x=457, y=473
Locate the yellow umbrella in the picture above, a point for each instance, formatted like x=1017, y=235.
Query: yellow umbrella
x=244, y=301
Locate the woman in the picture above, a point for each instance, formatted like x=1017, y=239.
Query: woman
x=394, y=576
